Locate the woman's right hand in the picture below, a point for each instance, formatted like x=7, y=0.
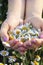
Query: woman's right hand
x=14, y=44
x=4, y=29
x=8, y=25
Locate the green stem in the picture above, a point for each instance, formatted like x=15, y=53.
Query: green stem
x=12, y=63
x=24, y=59
x=4, y=60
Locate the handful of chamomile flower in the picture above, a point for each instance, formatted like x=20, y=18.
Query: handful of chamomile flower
x=23, y=33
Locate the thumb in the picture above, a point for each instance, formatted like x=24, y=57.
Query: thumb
x=5, y=37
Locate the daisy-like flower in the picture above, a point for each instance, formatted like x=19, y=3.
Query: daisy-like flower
x=34, y=63
x=22, y=39
x=17, y=31
x=11, y=37
x=4, y=53
x=37, y=58
x=12, y=59
x=1, y=64
x=25, y=29
x=13, y=52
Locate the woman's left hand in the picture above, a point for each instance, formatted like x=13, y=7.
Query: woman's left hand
x=38, y=24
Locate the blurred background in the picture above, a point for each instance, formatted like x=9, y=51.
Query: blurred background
x=3, y=14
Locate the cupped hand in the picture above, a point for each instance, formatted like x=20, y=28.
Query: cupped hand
x=8, y=25
x=18, y=46
x=38, y=24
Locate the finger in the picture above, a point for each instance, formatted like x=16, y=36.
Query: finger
x=4, y=37
x=18, y=44
x=28, y=44
x=4, y=29
x=41, y=35
x=22, y=52
x=37, y=42
x=13, y=42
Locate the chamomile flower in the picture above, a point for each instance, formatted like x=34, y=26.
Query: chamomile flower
x=12, y=59
x=17, y=31
x=13, y=52
x=34, y=63
x=4, y=53
x=22, y=39
x=37, y=58
x=11, y=37
x=25, y=28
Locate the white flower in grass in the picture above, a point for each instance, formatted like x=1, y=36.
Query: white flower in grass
x=32, y=63
x=0, y=4
x=37, y=58
x=12, y=59
x=4, y=53
x=13, y=52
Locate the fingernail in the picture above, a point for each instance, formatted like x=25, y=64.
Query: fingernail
x=41, y=36
x=33, y=41
x=15, y=41
x=5, y=39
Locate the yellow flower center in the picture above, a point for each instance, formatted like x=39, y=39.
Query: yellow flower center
x=4, y=53
x=23, y=39
x=36, y=63
x=17, y=31
x=37, y=56
x=25, y=28
x=11, y=37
